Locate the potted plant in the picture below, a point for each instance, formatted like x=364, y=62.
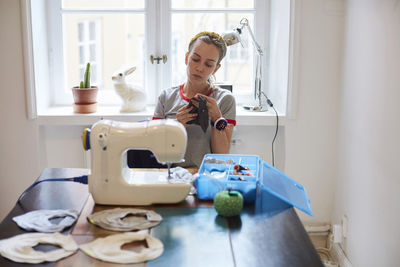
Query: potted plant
x=85, y=95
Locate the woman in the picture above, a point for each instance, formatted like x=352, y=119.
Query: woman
x=206, y=50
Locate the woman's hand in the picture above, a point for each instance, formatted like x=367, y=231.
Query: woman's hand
x=183, y=115
x=213, y=110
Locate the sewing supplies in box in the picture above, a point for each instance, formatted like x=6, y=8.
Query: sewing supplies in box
x=217, y=173
x=255, y=179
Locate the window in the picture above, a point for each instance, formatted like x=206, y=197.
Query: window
x=111, y=34
x=240, y=75
x=89, y=47
x=237, y=54
x=108, y=34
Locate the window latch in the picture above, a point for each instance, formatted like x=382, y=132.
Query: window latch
x=158, y=59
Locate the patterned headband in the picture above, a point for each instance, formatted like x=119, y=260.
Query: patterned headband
x=210, y=34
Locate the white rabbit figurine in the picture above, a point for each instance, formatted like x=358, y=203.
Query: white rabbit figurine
x=134, y=99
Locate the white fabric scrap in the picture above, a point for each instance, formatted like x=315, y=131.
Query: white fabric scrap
x=181, y=175
x=39, y=220
x=20, y=247
x=118, y=219
x=109, y=248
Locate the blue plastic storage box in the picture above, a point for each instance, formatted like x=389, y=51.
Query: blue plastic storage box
x=259, y=181
x=217, y=174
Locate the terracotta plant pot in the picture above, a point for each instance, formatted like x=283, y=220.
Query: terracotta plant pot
x=85, y=99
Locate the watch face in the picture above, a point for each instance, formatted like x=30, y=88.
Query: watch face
x=221, y=124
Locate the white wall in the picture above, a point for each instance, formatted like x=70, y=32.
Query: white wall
x=19, y=160
x=368, y=159
x=305, y=147
x=311, y=138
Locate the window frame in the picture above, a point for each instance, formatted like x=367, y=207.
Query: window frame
x=40, y=100
x=63, y=96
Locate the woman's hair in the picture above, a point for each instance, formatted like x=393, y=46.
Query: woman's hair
x=211, y=38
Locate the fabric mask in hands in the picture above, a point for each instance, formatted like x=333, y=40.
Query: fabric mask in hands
x=202, y=112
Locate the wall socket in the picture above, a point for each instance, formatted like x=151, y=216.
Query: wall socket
x=337, y=233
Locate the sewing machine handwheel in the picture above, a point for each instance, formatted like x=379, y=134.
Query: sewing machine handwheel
x=86, y=139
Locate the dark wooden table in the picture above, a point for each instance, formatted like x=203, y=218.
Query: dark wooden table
x=191, y=231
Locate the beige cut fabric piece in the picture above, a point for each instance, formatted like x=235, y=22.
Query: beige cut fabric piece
x=119, y=219
x=19, y=248
x=39, y=220
x=109, y=248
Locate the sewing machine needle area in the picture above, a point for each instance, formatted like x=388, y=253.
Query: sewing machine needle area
x=148, y=176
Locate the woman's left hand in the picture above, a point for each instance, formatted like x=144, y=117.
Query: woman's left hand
x=213, y=110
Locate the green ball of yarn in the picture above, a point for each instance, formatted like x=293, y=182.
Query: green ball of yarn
x=228, y=203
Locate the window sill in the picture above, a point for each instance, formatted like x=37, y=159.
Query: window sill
x=66, y=116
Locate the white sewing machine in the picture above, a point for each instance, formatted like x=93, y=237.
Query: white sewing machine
x=111, y=180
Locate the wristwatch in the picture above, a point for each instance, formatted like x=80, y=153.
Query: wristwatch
x=220, y=124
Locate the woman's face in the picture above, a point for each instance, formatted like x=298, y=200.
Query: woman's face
x=201, y=62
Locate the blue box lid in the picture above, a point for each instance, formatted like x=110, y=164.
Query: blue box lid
x=283, y=187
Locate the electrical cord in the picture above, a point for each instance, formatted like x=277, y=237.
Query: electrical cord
x=276, y=128
x=325, y=253
x=79, y=179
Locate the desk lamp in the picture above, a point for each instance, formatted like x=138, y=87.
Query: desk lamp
x=233, y=37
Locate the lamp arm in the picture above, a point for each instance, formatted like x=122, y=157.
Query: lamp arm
x=258, y=75
x=256, y=45
x=258, y=92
